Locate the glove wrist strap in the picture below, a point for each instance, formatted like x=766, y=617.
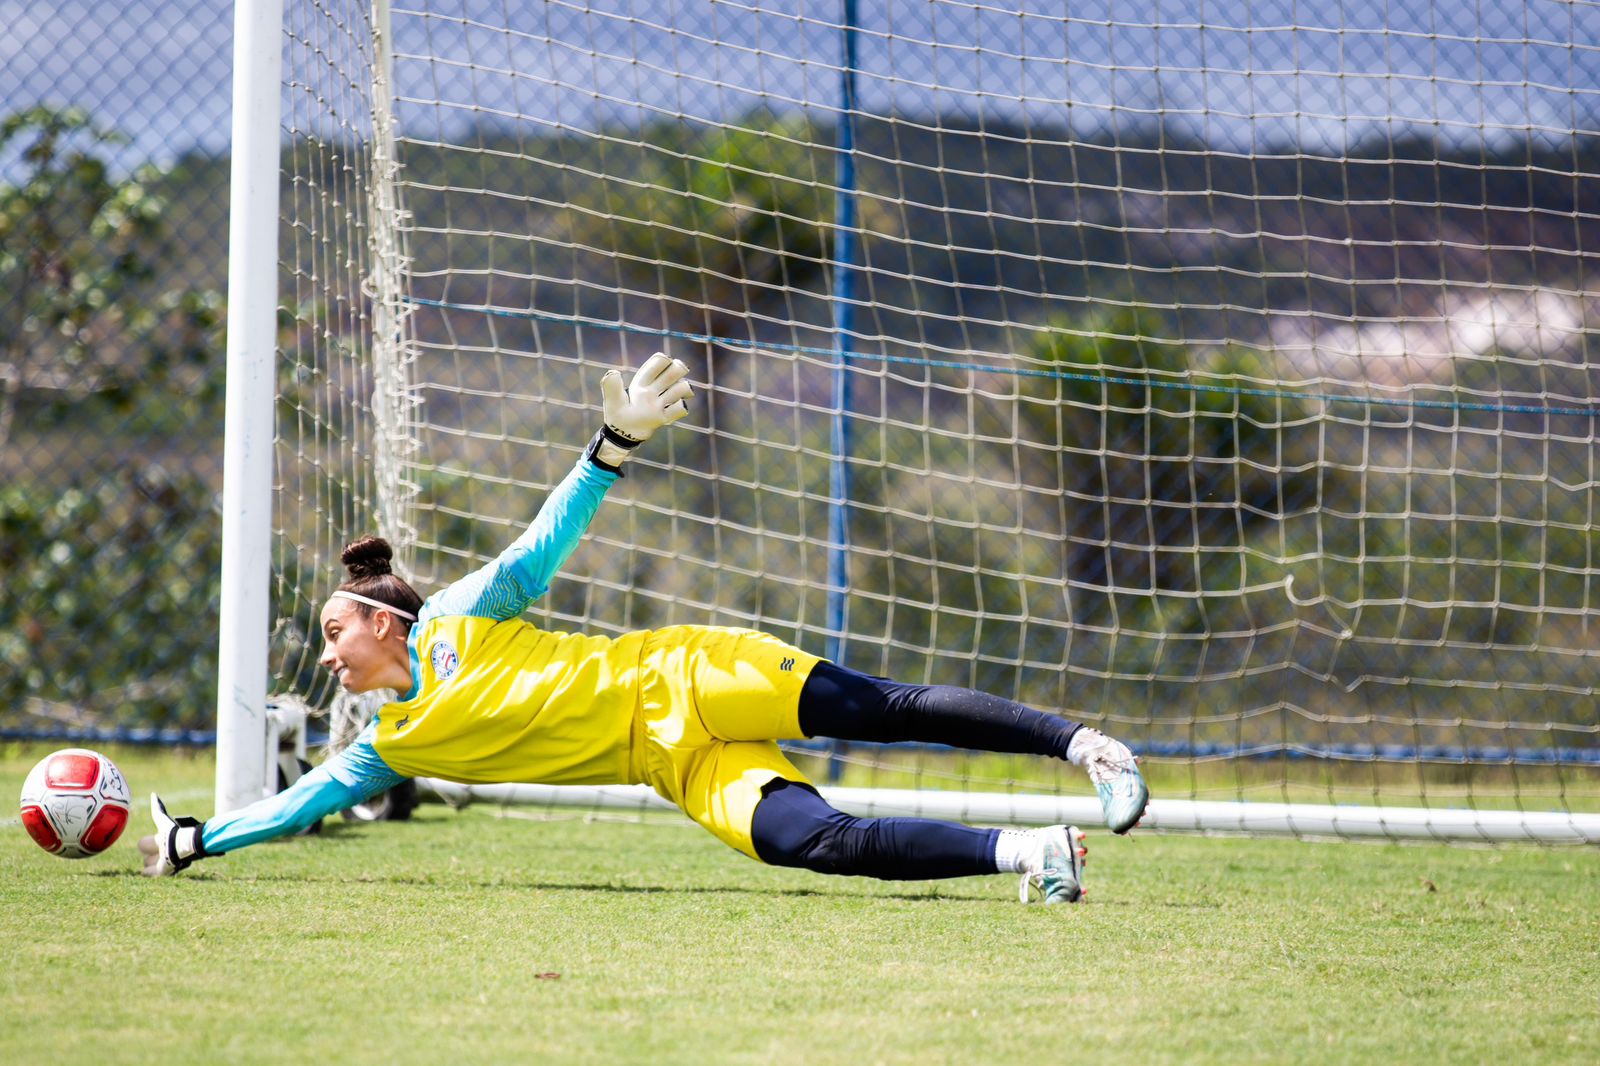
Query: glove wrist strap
x=609, y=450
x=184, y=845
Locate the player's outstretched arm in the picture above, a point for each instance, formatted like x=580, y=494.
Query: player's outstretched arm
x=352, y=776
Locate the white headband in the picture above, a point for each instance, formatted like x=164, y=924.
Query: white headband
x=370, y=602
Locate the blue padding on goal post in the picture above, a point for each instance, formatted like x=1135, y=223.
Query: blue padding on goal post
x=134, y=735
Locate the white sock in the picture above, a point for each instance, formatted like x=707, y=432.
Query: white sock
x=1018, y=851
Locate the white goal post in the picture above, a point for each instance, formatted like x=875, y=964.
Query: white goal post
x=1226, y=380
x=243, y=761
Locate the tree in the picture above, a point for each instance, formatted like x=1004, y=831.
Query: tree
x=85, y=314
x=109, y=557
x=726, y=234
x=1180, y=454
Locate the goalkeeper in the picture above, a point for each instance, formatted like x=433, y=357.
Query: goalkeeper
x=693, y=711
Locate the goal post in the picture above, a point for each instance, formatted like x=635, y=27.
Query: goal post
x=247, y=497
x=1226, y=382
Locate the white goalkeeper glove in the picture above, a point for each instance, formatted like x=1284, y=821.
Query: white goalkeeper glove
x=659, y=396
x=175, y=845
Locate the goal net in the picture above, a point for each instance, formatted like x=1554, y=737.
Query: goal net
x=1220, y=376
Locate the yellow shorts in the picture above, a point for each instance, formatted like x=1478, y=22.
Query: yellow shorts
x=712, y=703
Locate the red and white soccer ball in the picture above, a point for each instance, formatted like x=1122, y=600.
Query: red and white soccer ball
x=75, y=803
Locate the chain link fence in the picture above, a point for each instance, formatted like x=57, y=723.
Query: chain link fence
x=113, y=258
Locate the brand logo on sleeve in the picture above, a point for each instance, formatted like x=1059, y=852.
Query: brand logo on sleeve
x=444, y=658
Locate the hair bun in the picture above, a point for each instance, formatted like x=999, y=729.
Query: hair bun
x=367, y=557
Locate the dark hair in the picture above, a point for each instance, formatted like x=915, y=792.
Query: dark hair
x=366, y=560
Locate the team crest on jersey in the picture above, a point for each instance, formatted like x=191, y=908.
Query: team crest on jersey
x=445, y=659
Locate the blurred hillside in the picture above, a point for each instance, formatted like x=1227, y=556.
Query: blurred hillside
x=970, y=227
x=1402, y=264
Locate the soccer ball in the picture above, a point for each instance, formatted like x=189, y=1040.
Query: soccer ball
x=75, y=803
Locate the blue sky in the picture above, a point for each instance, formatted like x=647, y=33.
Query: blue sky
x=1317, y=74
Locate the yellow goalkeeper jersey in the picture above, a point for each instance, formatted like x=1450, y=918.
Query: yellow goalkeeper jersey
x=502, y=700
x=495, y=698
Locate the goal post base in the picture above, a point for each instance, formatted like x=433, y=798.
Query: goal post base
x=1219, y=423
x=1201, y=816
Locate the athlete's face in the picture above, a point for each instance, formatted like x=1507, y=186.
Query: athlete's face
x=365, y=652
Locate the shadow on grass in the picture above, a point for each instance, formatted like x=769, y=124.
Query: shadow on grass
x=930, y=895
x=551, y=886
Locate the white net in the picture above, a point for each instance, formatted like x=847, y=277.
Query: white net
x=326, y=474
x=1219, y=375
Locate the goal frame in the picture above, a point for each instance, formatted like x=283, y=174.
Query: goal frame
x=244, y=761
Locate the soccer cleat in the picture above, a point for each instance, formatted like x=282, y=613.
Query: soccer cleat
x=1115, y=773
x=1059, y=877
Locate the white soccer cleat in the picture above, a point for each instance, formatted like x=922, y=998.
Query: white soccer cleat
x=1058, y=872
x=1114, y=769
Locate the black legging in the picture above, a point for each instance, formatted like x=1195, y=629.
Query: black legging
x=793, y=826
x=842, y=704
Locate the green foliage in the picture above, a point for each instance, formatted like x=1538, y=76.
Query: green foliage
x=743, y=206
x=108, y=543
x=87, y=319
x=1190, y=452
x=111, y=604
x=1166, y=398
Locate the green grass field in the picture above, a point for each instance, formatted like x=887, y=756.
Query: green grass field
x=466, y=937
